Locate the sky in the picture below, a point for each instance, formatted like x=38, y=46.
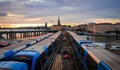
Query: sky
x=75, y=12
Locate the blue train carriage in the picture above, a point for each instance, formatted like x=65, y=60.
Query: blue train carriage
x=91, y=60
x=36, y=56
x=30, y=57
x=97, y=58
x=7, y=52
x=7, y=55
x=13, y=65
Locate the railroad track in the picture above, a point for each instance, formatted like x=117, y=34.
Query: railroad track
x=72, y=62
x=57, y=61
x=50, y=62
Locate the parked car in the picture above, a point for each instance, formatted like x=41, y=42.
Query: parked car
x=115, y=47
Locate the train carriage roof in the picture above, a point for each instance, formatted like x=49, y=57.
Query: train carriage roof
x=27, y=52
x=12, y=65
x=85, y=41
x=45, y=43
x=111, y=59
x=75, y=36
x=14, y=46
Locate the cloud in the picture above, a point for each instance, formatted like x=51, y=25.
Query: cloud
x=2, y=14
x=105, y=20
x=69, y=10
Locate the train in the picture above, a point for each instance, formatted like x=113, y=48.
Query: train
x=36, y=55
x=92, y=56
x=26, y=42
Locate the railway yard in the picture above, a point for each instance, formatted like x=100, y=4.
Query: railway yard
x=63, y=50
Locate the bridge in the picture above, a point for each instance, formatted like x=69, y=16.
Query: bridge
x=23, y=33
x=63, y=50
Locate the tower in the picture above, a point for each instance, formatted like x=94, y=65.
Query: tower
x=45, y=24
x=59, y=22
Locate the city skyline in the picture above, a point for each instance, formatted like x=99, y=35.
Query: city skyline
x=73, y=12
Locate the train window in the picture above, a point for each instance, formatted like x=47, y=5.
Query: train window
x=117, y=47
x=91, y=64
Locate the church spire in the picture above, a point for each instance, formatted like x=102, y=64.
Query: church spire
x=59, y=21
x=45, y=24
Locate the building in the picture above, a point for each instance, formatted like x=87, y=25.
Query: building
x=56, y=27
x=117, y=26
x=100, y=28
x=90, y=27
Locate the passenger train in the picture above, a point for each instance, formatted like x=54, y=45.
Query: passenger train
x=36, y=55
x=94, y=57
x=12, y=49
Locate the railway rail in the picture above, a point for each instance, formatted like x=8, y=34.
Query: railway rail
x=71, y=62
x=64, y=57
